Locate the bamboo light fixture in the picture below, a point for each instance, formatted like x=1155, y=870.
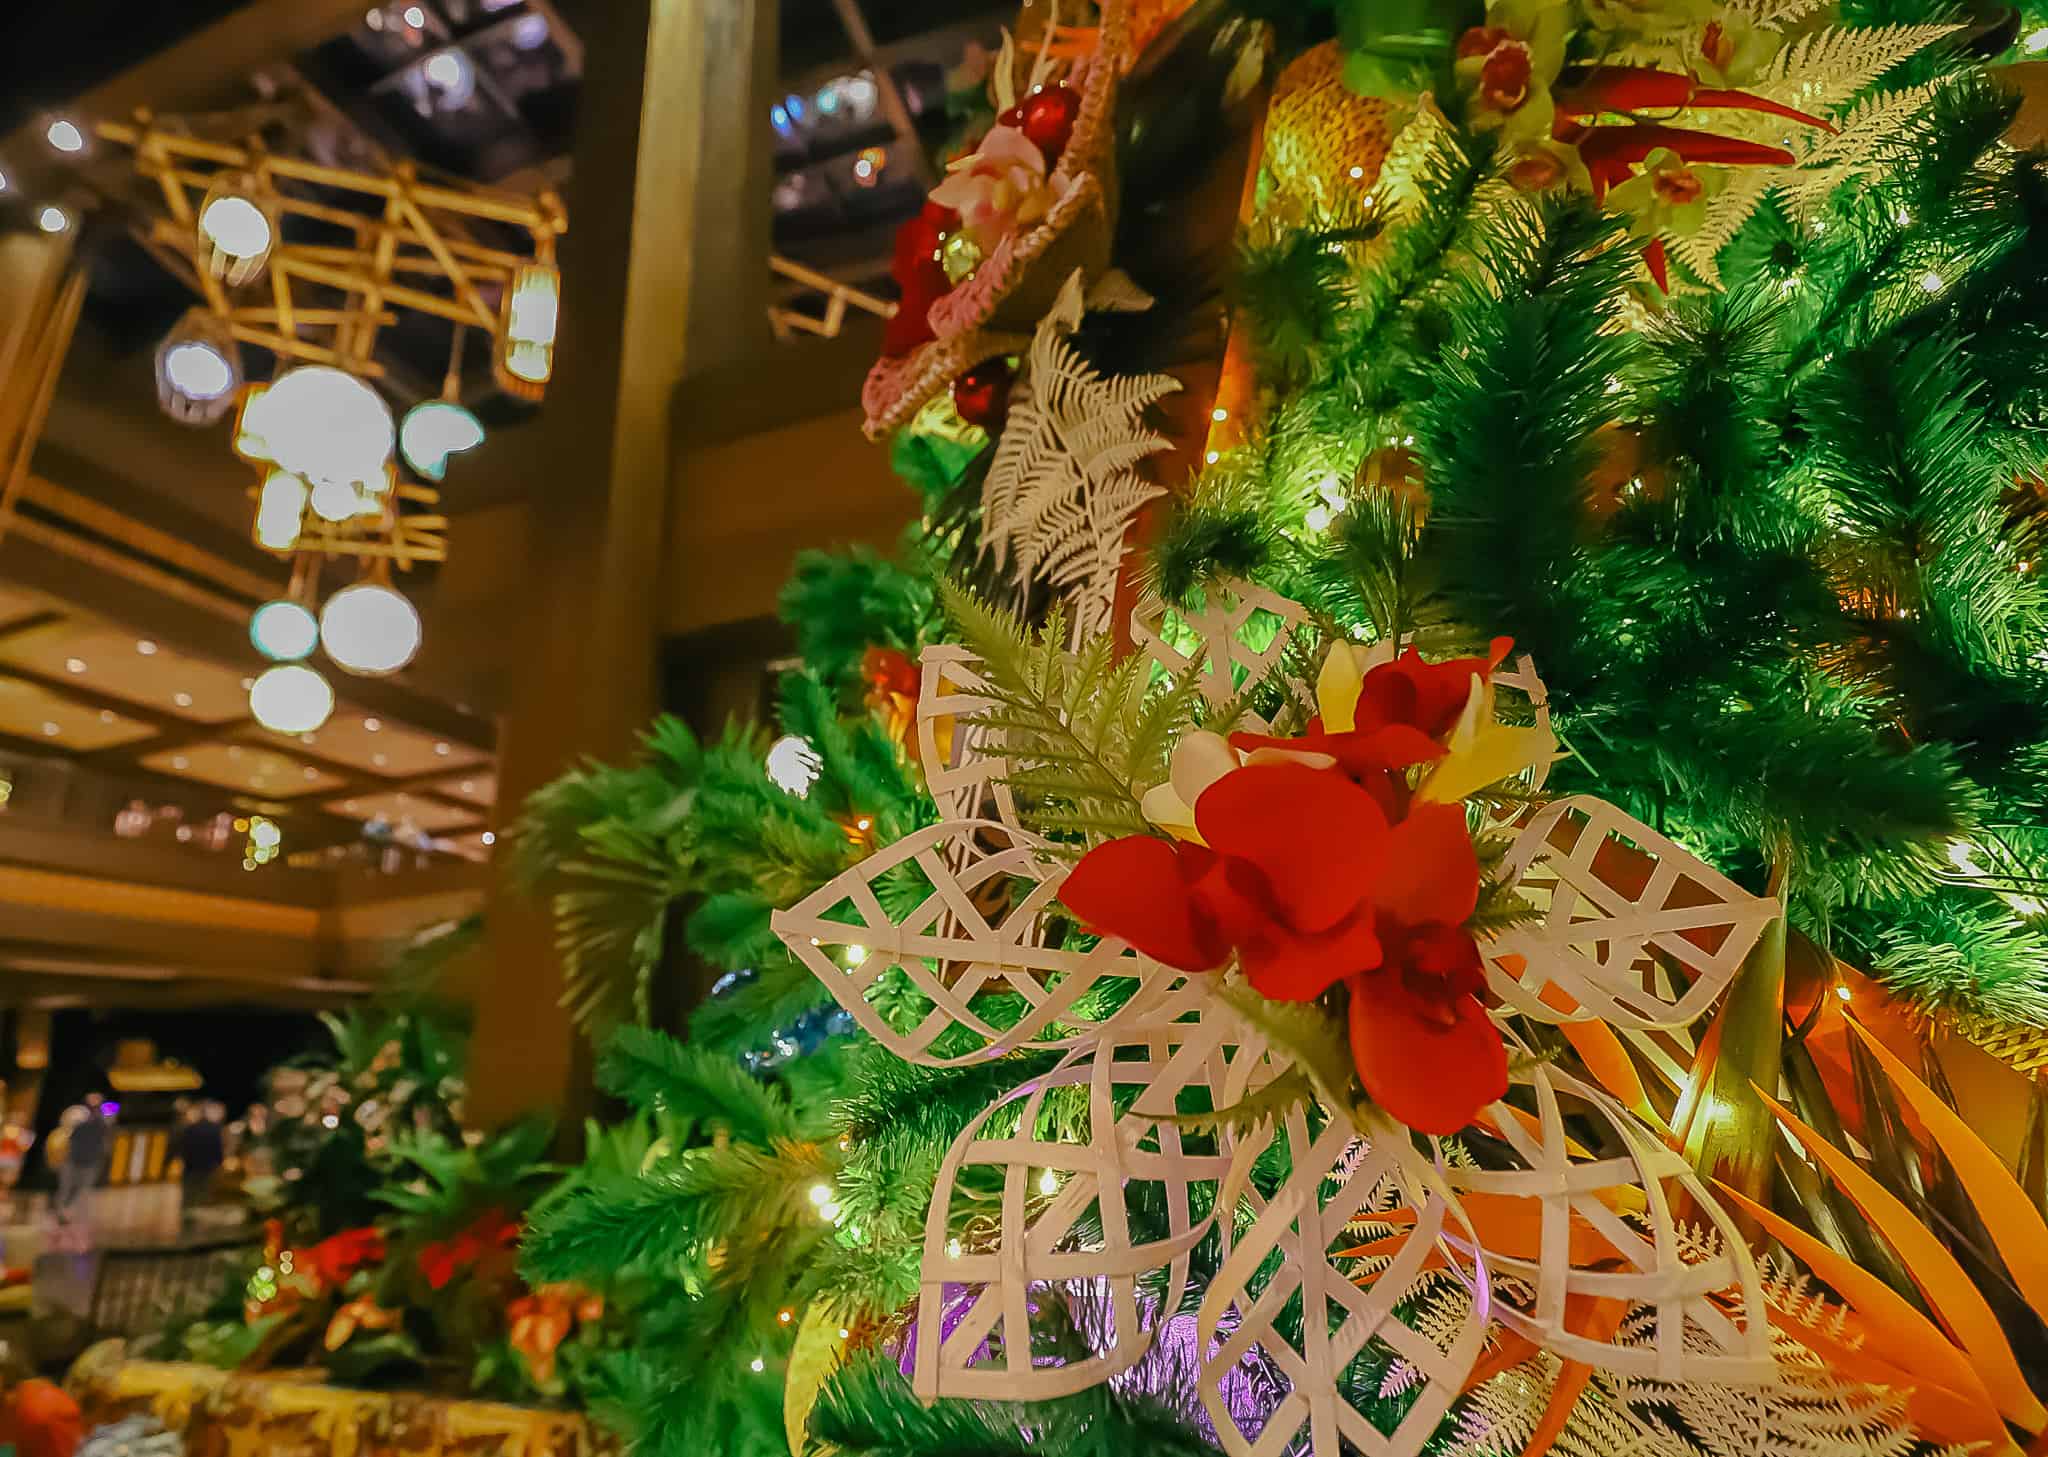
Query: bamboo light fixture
x=409, y=246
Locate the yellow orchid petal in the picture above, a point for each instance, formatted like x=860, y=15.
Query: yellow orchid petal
x=1171, y=813
x=1483, y=751
x=1337, y=688
x=1199, y=760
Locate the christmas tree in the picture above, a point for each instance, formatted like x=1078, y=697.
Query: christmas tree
x=1450, y=927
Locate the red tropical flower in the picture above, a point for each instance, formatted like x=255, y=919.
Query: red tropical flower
x=442, y=1260
x=1404, y=710
x=1308, y=882
x=339, y=1256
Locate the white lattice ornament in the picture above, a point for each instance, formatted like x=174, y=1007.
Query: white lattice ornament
x=1223, y=658
x=1334, y=1177
x=1607, y=1231
x=963, y=765
x=976, y=929
x=978, y=1341
x=1616, y=897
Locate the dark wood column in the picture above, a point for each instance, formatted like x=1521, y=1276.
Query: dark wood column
x=664, y=273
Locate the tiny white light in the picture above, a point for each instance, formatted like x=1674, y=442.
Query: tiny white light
x=3, y=181
x=182, y=700
x=64, y=135
x=952, y=1249
x=1357, y=174
x=145, y=647
x=1931, y=282
x=1213, y=456
x=329, y=1120
x=265, y=834
x=52, y=730
x=444, y=749
x=444, y=68
x=1844, y=993
x=821, y=1194
x=415, y=17
x=488, y=838
x=855, y=955
x=2036, y=41
x=74, y=665
x=759, y=1364
x=53, y=219
x=284, y=631
x=1318, y=518
x=372, y=725
x=793, y=765
x=1048, y=1182
x=844, y=1333
x=1219, y=414
x=291, y=699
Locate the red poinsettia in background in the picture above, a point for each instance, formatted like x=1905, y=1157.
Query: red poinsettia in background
x=1329, y=859
x=492, y=1232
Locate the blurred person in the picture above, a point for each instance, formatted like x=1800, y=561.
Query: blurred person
x=85, y=1156
x=202, y=1146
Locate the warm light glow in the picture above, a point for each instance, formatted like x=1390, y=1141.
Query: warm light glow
x=198, y=371
x=64, y=135
x=284, y=631
x=370, y=629
x=291, y=699
x=435, y=430
x=280, y=508
x=53, y=219
x=526, y=344
x=793, y=765
x=320, y=423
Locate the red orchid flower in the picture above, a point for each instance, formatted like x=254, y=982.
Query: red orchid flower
x=1404, y=710
x=1596, y=89
x=1307, y=881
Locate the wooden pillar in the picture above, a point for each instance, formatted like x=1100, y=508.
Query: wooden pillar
x=40, y=293
x=664, y=272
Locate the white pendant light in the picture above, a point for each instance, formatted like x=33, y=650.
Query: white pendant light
x=321, y=424
x=434, y=430
x=198, y=369
x=280, y=511
x=370, y=629
x=237, y=229
x=291, y=698
x=284, y=631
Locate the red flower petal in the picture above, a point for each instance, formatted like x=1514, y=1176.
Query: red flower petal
x=1430, y=1073
x=1137, y=888
x=1427, y=870
x=1312, y=833
x=1285, y=967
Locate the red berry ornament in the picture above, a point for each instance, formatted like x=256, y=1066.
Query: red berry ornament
x=1049, y=120
x=982, y=395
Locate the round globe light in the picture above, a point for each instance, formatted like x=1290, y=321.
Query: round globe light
x=334, y=500
x=284, y=631
x=236, y=226
x=198, y=371
x=370, y=629
x=291, y=699
x=433, y=431
x=323, y=424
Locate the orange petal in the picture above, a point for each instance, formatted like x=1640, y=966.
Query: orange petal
x=1893, y=1330
x=1949, y=1291
x=2015, y=1225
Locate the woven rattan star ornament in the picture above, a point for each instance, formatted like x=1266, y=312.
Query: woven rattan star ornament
x=1313, y=1008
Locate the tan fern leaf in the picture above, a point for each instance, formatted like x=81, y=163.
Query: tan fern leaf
x=1065, y=482
x=1820, y=71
